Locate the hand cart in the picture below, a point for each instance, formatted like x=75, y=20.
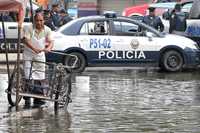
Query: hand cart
x=56, y=86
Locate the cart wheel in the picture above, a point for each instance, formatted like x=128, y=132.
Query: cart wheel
x=12, y=86
x=79, y=66
x=57, y=91
x=56, y=102
x=63, y=91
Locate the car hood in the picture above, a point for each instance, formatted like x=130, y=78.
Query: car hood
x=61, y=41
x=180, y=41
x=56, y=35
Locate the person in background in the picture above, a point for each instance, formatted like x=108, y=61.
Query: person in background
x=153, y=20
x=65, y=18
x=48, y=20
x=6, y=17
x=37, y=40
x=55, y=15
x=177, y=21
x=13, y=16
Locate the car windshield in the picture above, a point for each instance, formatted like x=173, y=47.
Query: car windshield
x=153, y=30
x=186, y=7
x=66, y=25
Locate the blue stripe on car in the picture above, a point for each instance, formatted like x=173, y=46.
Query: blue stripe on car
x=92, y=57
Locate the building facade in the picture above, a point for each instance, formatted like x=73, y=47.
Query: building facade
x=92, y=7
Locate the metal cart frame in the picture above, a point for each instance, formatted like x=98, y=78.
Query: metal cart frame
x=56, y=85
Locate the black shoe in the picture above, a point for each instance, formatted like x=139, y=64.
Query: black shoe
x=38, y=103
x=27, y=103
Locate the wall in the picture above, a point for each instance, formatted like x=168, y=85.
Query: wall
x=93, y=7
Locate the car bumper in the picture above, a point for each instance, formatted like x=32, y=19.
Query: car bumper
x=192, y=58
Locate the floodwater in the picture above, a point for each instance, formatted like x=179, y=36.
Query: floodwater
x=115, y=101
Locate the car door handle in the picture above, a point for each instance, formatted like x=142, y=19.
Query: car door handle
x=12, y=27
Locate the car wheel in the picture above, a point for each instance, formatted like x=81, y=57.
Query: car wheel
x=172, y=61
x=79, y=66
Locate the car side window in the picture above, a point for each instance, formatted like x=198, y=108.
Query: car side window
x=94, y=28
x=7, y=17
x=126, y=28
x=123, y=28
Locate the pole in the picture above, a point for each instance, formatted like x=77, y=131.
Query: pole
x=18, y=65
x=6, y=47
x=31, y=6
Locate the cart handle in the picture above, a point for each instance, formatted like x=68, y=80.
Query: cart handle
x=61, y=53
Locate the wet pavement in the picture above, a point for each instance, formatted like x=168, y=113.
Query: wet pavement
x=108, y=101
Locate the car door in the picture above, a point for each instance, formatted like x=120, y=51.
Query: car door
x=134, y=43
x=94, y=38
x=11, y=34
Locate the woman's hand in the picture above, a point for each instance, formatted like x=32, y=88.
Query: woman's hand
x=46, y=50
x=37, y=50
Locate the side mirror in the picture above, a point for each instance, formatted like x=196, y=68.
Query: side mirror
x=149, y=35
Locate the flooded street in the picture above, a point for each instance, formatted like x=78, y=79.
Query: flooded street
x=107, y=101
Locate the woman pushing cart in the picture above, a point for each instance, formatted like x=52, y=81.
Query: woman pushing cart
x=39, y=79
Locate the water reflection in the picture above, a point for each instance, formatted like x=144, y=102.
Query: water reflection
x=197, y=95
x=38, y=121
x=137, y=101
x=120, y=101
x=3, y=86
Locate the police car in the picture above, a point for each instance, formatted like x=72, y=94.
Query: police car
x=109, y=40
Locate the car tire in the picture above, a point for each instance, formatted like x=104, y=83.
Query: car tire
x=79, y=66
x=172, y=61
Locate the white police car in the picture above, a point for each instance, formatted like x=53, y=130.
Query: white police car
x=119, y=41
